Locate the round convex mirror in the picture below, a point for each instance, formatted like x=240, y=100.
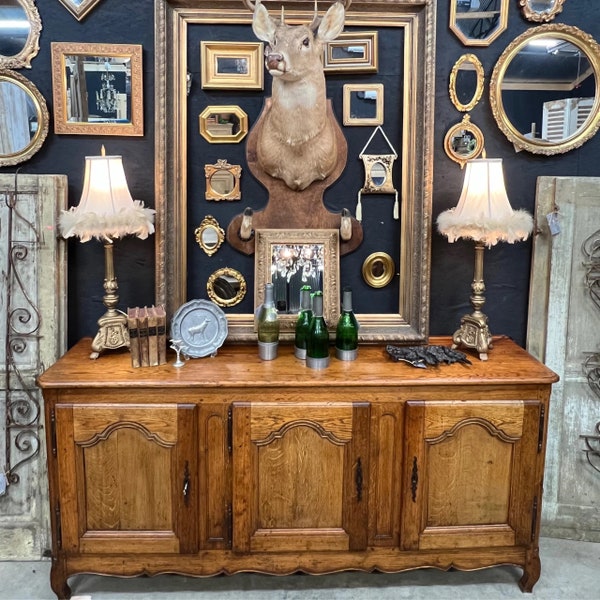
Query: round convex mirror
x=23, y=118
x=226, y=287
x=544, y=89
x=20, y=27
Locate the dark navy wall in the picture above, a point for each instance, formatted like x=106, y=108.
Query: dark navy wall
x=506, y=266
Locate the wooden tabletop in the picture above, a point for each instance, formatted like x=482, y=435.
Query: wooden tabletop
x=237, y=365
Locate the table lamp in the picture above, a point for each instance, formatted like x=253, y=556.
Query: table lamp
x=484, y=215
x=106, y=212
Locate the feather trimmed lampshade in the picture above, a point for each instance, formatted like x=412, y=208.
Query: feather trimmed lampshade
x=106, y=212
x=484, y=215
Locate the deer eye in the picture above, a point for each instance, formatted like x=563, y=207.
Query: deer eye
x=306, y=42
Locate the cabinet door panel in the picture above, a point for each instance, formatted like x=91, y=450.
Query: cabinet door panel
x=300, y=476
x=471, y=474
x=127, y=478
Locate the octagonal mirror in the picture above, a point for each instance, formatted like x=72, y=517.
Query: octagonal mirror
x=478, y=22
x=223, y=124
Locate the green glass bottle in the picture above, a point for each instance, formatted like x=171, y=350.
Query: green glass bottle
x=268, y=326
x=303, y=323
x=317, y=344
x=346, y=333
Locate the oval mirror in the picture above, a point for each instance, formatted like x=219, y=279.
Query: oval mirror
x=378, y=174
x=209, y=235
x=226, y=287
x=24, y=118
x=20, y=27
x=223, y=124
x=378, y=269
x=222, y=181
x=540, y=11
x=463, y=141
x=478, y=22
x=544, y=89
x=466, y=82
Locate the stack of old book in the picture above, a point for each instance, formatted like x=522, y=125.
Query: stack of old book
x=147, y=335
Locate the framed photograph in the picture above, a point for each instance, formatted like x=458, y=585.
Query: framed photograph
x=291, y=258
x=97, y=88
x=232, y=65
x=351, y=51
x=363, y=104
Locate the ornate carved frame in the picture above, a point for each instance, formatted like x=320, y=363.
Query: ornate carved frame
x=417, y=19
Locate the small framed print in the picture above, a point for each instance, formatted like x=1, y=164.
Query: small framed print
x=232, y=65
x=363, y=104
x=351, y=51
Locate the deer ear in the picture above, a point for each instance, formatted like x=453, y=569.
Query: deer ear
x=332, y=24
x=262, y=24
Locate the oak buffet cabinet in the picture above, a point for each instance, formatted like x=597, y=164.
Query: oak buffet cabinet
x=233, y=464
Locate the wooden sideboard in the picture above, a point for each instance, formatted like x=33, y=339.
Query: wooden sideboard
x=233, y=464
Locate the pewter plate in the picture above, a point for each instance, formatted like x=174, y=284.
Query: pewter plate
x=201, y=326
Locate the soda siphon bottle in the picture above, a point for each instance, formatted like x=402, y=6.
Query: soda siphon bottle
x=317, y=344
x=303, y=323
x=346, y=333
x=268, y=326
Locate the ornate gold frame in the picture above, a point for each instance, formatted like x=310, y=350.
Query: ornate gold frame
x=32, y=43
x=214, y=137
x=570, y=34
x=416, y=18
x=349, y=88
x=266, y=239
x=466, y=59
x=378, y=260
x=368, y=63
x=540, y=16
x=226, y=272
x=81, y=10
x=209, y=223
x=464, y=125
x=43, y=118
x=222, y=165
x=60, y=52
x=500, y=27
x=251, y=52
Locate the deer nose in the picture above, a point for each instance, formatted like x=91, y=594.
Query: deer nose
x=273, y=60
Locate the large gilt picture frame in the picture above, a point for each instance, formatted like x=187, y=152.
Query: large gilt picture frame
x=97, y=88
x=407, y=320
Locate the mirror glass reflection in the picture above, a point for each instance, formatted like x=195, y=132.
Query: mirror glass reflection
x=363, y=104
x=14, y=27
x=98, y=89
x=19, y=118
x=222, y=182
x=348, y=52
x=478, y=22
x=378, y=174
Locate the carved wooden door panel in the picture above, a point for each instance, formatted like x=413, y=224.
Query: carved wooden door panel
x=127, y=478
x=300, y=474
x=472, y=474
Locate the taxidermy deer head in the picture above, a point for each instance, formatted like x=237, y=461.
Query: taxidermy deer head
x=297, y=142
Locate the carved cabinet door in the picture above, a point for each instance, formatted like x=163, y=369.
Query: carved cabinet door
x=300, y=473
x=127, y=478
x=472, y=475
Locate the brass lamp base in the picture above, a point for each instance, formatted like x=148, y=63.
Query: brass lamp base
x=473, y=331
x=113, y=332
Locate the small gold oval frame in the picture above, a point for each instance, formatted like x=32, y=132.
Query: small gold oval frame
x=464, y=63
x=209, y=223
x=378, y=269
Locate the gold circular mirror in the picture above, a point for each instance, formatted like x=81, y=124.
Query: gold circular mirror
x=20, y=27
x=226, y=287
x=378, y=269
x=209, y=235
x=466, y=82
x=540, y=11
x=463, y=141
x=24, y=118
x=545, y=91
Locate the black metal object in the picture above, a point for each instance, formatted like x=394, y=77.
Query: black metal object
x=424, y=356
x=592, y=449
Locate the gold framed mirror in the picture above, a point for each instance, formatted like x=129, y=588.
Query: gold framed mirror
x=412, y=25
x=463, y=141
x=222, y=181
x=477, y=24
x=97, y=88
x=224, y=124
x=466, y=82
x=541, y=11
x=79, y=8
x=24, y=118
x=209, y=235
x=226, y=287
x=363, y=104
x=20, y=27
x=378, y=269
x=545, y=89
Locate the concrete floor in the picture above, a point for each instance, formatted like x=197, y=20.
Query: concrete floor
x=570, y=571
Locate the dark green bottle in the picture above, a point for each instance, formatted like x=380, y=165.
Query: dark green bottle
x=317, y=344
x=346, y=333
x=303, y=323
